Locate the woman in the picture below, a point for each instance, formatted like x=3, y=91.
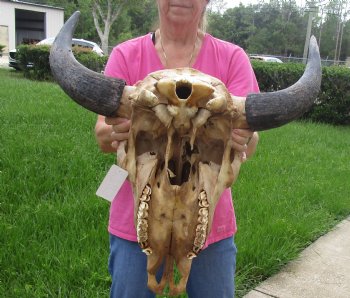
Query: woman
x=179, y=42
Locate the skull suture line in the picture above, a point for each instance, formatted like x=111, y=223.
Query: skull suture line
x=179, y=154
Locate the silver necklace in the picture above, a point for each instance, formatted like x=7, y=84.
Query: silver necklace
x=165, y=56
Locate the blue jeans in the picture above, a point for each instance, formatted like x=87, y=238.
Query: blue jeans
x=212, y=272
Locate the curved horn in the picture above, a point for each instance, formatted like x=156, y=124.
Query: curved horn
x=89, y=89
x=273, y=109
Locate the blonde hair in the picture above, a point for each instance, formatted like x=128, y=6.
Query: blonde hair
x=203, y=24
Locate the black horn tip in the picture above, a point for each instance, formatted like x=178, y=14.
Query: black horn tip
x=273, y=109
x=64, y=37
x=89, y=89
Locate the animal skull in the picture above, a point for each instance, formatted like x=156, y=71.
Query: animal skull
x=179, y=154
x=180, y=159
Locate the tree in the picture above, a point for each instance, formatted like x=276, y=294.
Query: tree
x=143, y=17
x=216, y=6
x=268, y=28
x=105, y=13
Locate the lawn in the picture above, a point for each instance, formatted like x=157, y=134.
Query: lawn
x=53, y=235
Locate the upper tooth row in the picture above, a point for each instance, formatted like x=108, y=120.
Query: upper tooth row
x=202, y=227
x=142, y=220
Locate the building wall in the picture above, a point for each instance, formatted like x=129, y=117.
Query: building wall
x=54, y=19
x=4, y=38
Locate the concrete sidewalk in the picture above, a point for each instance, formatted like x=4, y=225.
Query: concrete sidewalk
x=322, y=270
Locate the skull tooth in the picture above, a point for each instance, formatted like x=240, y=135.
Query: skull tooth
x=143, y=245
x=191, y=255
x=143, y=206
x=148, y=251
x=203, y=212
x=204, y=204
x=199, y=243
x=203, y=199
x=142, y=215
x=200, y=236
x=196, y=249
x=142, y=238
x=142, y=231
x=142, y=235
x=145, y=198
x=200, y=240
x=202, y=195
x=142, y=223
x=203, y=220
x=201, y=228
x=147, y=190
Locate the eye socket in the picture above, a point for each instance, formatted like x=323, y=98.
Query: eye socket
x=183, y=90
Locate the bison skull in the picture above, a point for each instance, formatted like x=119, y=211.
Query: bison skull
x=179, y=154
x=180, y=159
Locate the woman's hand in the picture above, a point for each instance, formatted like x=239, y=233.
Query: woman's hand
x=245, y=142
x=110, y=132
x=120, y=130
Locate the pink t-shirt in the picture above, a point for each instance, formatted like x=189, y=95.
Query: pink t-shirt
x=133, y=61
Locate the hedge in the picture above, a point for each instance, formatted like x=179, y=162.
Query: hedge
x=331, y=106
x=34, y=60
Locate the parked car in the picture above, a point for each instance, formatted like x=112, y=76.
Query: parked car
x=265, y=58
x=12, y=60
x=49, y=41
x=76, y=42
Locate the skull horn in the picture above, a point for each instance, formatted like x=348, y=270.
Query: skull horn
x=273, y=109
x=89, y=89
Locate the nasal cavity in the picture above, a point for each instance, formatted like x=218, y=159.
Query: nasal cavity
x=183, y=90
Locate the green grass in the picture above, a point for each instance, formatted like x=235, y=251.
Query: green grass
x=294, y=190
x=53, y=229
x=54, y=241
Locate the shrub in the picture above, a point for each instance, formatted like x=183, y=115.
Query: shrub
x=333, y=102
x=276, y=76
x=34, y=60
x=90, y=59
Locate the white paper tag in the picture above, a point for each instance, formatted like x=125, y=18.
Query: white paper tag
x=112, y=183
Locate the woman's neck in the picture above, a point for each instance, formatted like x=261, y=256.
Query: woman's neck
x=179, y=35
x=178, y=46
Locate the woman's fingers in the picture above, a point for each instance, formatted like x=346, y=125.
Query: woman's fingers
x=241, y=139
x=120, y=130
